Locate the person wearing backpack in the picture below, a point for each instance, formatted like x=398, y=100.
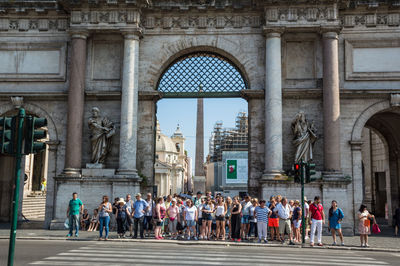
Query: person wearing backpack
x=317, y=218
x=334, y=222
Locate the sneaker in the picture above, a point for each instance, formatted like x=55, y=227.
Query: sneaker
x=366, y=245
x=312, y=244
x=362, y=245
x=195, y=238
x=76, y=235
x=69, y=235
x=239, y=239
x=291, y=243
x=320, y=244
x=334, y=244
x=188, y=238
x=342, y=243
x=265, y=241
x=306, y=238
x=259, y=241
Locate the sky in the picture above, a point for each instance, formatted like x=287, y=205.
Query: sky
x=171, y=112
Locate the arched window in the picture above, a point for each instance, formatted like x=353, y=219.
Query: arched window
x=202, y=74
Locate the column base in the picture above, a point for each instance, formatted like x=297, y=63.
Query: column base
x=72, y=172
x=199, y=183
x=332, y=175
x=273, y=175
x=127, y=173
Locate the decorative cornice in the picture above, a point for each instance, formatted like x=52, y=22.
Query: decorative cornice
x=106, y=19
x=302, y=16
x=371, y=20
x=202, y=21
x=33, y=24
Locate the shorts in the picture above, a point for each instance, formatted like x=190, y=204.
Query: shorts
x=273, y=222
x=245, y=219
x=199, y=221
x=166, y=221
x=161, y=224
x=297, y=223
x=190, y=223
x=220, y=218
x=284, y=226
x=207, y=217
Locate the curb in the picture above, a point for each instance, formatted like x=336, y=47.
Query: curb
x=205, y=243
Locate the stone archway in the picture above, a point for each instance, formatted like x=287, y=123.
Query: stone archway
x=255, y=98
x=380, y=120
x=51, y=155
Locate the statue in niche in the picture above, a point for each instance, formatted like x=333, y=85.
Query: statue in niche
x=101, y=132
x=304, y=138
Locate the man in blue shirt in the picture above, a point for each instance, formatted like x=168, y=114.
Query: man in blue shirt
x=75, y=207
x=139, y=209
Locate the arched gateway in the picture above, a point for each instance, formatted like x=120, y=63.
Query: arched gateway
x=330, y=59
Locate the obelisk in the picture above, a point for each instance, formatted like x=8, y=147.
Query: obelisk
x=199, y=179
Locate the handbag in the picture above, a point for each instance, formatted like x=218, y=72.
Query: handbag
x=375, y=229
x=66, y=223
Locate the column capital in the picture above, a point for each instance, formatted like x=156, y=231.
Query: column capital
x=356, y=144
x=330, y=32
x=273, y=32
x=132, y=34
x=78, y=34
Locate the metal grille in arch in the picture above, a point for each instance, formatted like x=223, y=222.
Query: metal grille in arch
x=201, y=74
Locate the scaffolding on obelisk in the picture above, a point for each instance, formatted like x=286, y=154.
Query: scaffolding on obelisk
x=199, y=179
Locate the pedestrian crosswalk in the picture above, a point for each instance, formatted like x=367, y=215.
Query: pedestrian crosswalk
x=100, y=254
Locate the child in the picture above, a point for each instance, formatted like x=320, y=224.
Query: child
x=85, y=219
x=94, y=223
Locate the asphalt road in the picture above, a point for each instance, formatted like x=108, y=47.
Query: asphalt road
x=54, y=252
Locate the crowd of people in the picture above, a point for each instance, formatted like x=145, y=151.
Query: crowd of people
x=203, y=217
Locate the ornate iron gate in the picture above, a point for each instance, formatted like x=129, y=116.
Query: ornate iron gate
x=201, y=74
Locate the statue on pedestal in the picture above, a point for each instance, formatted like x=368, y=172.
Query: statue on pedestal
x=101, y=132
x=305, y=137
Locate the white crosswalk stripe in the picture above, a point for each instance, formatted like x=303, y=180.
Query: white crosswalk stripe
x=103, y=255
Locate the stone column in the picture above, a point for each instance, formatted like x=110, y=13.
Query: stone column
x=273, y=106
x=256, y=109
x=331, y=104
x=76, y=99
x=357, y=182
x=129, y=106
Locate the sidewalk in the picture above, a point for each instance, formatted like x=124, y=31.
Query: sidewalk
x=376, y=242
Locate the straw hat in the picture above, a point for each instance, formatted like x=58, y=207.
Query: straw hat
x=121, y=200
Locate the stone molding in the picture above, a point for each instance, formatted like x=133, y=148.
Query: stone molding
x=371, y=20
x=98, y=19
x=33, y=24
x=302, y=17
x=202, y=21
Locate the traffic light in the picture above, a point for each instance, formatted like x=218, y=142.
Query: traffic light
x=297, y=173
x=7, y=132
x=310, y=171
x=33, y=134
